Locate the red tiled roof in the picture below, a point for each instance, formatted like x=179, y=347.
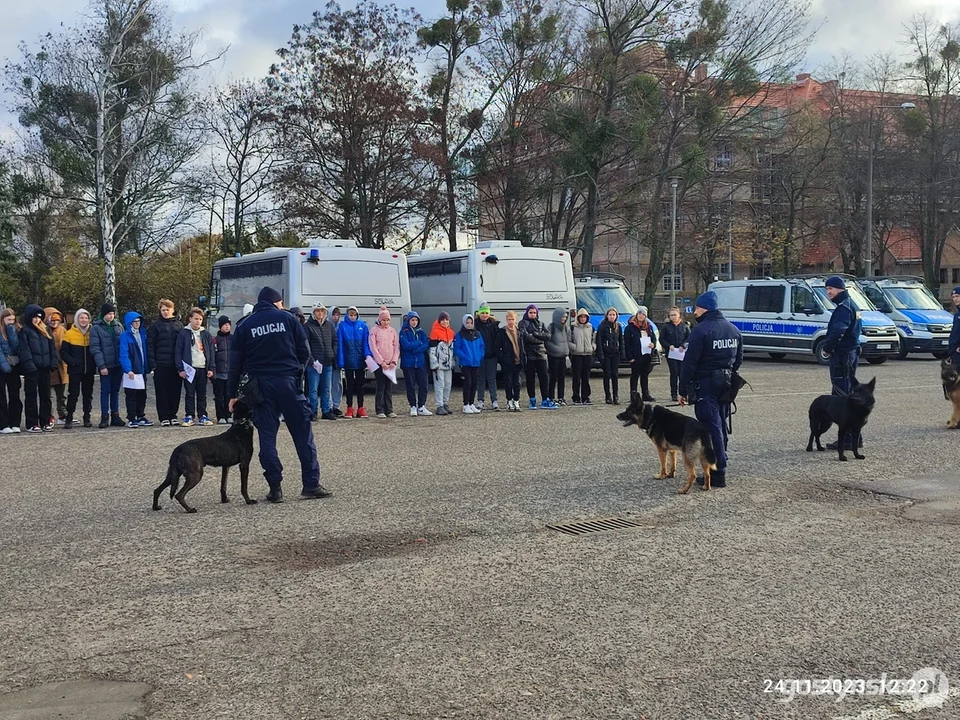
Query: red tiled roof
x=904, y=244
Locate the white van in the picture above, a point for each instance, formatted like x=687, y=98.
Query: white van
x=503, y=274
x=790, y=315
x=335, y=272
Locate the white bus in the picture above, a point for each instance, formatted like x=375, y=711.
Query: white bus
x=335, y=272
x=503, y=274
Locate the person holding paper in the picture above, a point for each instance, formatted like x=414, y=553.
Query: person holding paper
x=353, y=348
x=673, y=342
x=195, y=351
x=640, y=339
x=385, y=350
x=322, y=336
x=135, y=362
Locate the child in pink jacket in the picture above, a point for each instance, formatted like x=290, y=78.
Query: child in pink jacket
x=385, y=349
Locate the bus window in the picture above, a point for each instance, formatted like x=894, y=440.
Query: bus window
x=345, y=278
x=535, y=276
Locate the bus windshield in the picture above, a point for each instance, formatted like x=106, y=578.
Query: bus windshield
x=859, y=299
x=597, y=300
x=911, y=297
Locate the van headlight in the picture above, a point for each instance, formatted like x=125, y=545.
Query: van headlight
x=918, y=327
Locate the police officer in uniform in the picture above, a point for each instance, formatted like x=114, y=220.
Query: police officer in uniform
x=271, y=346
x=953, y=344
x=842, y=342
x=714, y=345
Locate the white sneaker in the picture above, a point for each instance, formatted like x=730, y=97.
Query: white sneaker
x=6, y=431
x=478, y=406
x=413, y=412
x=477, y=409
x=16, y=429
x=495, y=406
x=422, y=410
x=468, y=409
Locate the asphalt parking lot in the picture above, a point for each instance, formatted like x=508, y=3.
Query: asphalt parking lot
x=430, y=586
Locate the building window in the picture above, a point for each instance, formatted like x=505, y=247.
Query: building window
x=955, y=275
x=722, y=270
x=724, y=157
x=675, y=280
x=943, y=276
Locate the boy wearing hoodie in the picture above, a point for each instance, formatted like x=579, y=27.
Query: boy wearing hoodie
x=385, y=349
x=414, y=346
x=58, y=378
x=105, y=348
x=469, y=350
x=558, y=348
x=487, y=326
x=162, y=348
x=135, y=360
x=441, y=361
x=81, y=369
x=583, y=345
x=534, y=334
x=353, y=347
x=221, y=361
x=195, y=349
x=336, y=376
x=38, y=357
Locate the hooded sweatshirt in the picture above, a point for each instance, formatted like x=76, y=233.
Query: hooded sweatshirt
x=582, y=338
x=414, y=344
x=353, y=338
x=384, y=343
x=468, y=346
x=559, y=343
x=133, y=346
x=75, y=350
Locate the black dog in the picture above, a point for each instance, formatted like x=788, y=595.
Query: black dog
x=234, y=447
x=849, y=412
x=672, y=432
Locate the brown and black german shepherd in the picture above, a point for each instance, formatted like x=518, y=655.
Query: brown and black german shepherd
x=672, y=432
x=951, y=389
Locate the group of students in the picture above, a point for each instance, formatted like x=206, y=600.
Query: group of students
x=48, y=358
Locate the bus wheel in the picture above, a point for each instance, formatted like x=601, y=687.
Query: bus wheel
x=877, y=360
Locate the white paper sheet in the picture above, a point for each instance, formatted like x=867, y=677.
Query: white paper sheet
x=645, y=348
x=317, y=366
x=189, y=372
x=676, y=354
x=391, y=375
x=371, y=364
x=134, y=383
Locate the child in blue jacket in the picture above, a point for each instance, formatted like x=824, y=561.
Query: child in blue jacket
x=135, y=360
x=469, y=349
x=414, y=346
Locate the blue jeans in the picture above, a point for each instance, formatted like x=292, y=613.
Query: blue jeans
x=336, y=387
x=110, y=391
x=318, y=388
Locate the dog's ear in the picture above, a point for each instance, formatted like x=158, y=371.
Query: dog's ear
x=872, y=384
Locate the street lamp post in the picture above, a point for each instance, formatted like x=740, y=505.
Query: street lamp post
x=868, y=239
x=674, y=182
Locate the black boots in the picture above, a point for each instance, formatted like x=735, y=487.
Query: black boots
x=275, y=496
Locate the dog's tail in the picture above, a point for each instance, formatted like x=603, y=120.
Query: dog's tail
x=708, y=453
x=173, y=479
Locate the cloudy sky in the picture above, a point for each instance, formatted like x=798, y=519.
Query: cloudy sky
x=254, y=29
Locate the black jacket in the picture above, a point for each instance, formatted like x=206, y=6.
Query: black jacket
x=533, y=335
x=632, y=337
x=221, y=354
x=323, y=341
x=675, y=335
x=162, y=342
x=37, y=351
x=609, y=338
x=488, y=331
x=503, y=349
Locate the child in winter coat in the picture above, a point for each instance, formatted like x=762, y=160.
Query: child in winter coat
x=353, y=338
x=195, y=349
x=10, y=406
x=640, y=338
x=441, y=361
x=535, y=334
x=414, y=346
x=58, y=378
x=105, y=348
x=469, y=349
x=135, y=360
x=81, y=369
x=674, y=335
x=162, y=348
x=609, y=340
x=221, y=363
x=38, y=356
x=385, y=349
x=558, y=348
x=487, y=325
x=582, y=348
x=512, y=356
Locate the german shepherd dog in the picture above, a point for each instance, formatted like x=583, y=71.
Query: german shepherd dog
x=951, y=389
x=849, y=412
x=234, y=447
x=672, y=432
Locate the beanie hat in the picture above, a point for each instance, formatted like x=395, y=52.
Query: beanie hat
x=384, y=314
x=319, y=306
x=298, y=314
x=708, y=301
x=956, y=290
x=222, y=320
x=79, y=312
x=354, y=308
x=466, y=317
x=835, y=281
x=443, y=316
x=268, y=294
x=106, y=309
x=642, y=309
x=484, y=308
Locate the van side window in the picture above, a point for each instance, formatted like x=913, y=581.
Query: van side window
x=764, y=298
x=876, y=297
x=801, y=298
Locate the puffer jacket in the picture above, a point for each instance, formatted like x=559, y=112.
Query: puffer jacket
x=221, y=355
x=676, y=335
x=609, y=338
x=468, y=346
x=353, y=338
x=162, y=342
x=384, y=345
x=559, y=343
x=37, y=351
x=59, y=374
x=534, y=334
x=75, y=351
x=582, y=339
x=134, y=358
x=414, y=345
x=323, y=340
x=105, y=344
x=9, y=348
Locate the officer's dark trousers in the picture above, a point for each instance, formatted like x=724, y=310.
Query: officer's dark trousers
x=280, y=395
x=843, y=370
x=711, y=413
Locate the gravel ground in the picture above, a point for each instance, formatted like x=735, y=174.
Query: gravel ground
x=430, y=587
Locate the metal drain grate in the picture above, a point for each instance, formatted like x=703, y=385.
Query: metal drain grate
x=594, y=526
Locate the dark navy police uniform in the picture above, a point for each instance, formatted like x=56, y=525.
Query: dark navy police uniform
x=714, y=344
x=953, y=344
x=843, y=343
x=271, y=345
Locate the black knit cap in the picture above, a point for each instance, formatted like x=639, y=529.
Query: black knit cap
x=222, y=320
x=106, y=309
x=268, y=294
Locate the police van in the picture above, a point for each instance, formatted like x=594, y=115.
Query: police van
x=790, y=316
x=334, y=272
x=599, y=291
x=922, y=323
